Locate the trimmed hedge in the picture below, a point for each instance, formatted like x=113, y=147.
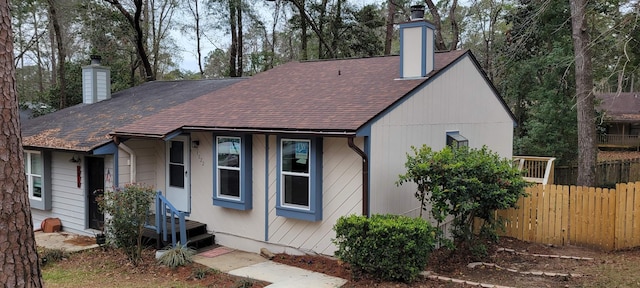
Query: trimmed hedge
x=391, y=247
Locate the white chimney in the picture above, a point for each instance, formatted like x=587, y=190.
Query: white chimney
x=416, y=45
x=96, y=82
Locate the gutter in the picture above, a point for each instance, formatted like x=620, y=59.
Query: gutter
x=132, y=158
x=365, y=176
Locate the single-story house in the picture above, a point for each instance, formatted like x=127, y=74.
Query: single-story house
x=273, y=161
x=621, y=119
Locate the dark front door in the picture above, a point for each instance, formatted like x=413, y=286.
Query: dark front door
x=95, y=189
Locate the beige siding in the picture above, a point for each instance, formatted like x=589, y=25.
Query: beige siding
x=68, y=201
x=148, y=154
x=412, y=51
x=458, y=100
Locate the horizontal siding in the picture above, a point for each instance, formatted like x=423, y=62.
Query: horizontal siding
x=458, y=100
x=68, y=201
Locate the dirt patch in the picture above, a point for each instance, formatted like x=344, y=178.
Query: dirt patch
x=534, y=265
x=81, y=240
x=111, y=268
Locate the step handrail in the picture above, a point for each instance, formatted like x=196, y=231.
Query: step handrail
x=164, y=208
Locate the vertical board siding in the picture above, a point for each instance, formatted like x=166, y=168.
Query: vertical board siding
x=600, y=218
x=424, y=118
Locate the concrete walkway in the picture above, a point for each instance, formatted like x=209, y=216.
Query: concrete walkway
x=64, y=241
x=251, y=265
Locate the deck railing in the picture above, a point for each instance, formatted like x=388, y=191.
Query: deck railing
x=165, y=212
x=619, y=140
x=535, y=169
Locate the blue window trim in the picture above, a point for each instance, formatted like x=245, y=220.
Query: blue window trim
x=314, y=212
x=245, y=202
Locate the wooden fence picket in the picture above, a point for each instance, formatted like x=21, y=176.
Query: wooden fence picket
x=604, y=218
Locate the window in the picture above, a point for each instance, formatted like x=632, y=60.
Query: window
x=455, y=140
x=299, y=179
x=33, y=168
x=232, y=166
x=37, y=172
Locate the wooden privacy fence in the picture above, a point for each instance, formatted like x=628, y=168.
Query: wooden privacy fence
x=584, y=216
x=607, y=173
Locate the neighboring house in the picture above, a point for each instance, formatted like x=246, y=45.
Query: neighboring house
x=273, y=161
x=621, y=117
x=70, y=157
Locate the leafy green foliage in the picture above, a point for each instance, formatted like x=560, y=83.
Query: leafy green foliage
x=465, y=183
x=127, y=212
x=391, y=247
x=179, y=255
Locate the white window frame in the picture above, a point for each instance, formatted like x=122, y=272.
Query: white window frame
x=28, y=154
x=299, y=174
x=219, y=167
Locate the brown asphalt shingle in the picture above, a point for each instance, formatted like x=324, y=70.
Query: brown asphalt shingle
x=85, y=127
x=335, y=95
x=623, y=107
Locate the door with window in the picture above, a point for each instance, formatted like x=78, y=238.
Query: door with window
x=178, y=178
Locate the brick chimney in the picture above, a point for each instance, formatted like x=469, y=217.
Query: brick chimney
x=416, y=45
x=96, y=82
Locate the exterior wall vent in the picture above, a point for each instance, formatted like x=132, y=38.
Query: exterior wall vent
x=96, y=81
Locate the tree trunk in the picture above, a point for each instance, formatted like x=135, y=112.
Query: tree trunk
x=455, y=37
x=437, y=21
x=18, y=256
x=587, y=150
x=54, y=65
x=196, y=16
x=61, y=53
x=388, y=36
x=234, y=39
x=239, y=44
x=135, y=22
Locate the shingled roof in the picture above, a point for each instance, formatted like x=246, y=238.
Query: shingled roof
x=84, y=127
x=620, y=107
x=334, y=96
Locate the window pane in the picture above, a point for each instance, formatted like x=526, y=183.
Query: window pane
x=295, y=156
x=176, y=152
x=296, y=190
x=229, y=182
x=37, y=187
x=36, y=164
x=176, y=175
x=228, y=152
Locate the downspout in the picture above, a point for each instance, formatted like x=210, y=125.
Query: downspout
x=132, y=158
x=365, y=176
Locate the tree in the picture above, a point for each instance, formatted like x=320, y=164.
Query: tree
x=135, y=21
x=18, y=256
x=587, y=149
x=62, y=54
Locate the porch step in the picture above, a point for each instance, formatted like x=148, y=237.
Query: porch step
x=197, y=235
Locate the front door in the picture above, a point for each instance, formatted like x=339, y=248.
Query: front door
x=95, y=189
x=178, y=173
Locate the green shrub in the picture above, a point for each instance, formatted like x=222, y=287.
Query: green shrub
x=179, y=255
x=127, y=212
x=51, y=255
x=390, y=247
x=465, y=183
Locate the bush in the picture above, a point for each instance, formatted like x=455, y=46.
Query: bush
x=466, y=183
x=127, y=212
x=390, y=247
x=179, y=255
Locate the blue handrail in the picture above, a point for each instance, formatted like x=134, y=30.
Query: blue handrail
x=164, y=209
